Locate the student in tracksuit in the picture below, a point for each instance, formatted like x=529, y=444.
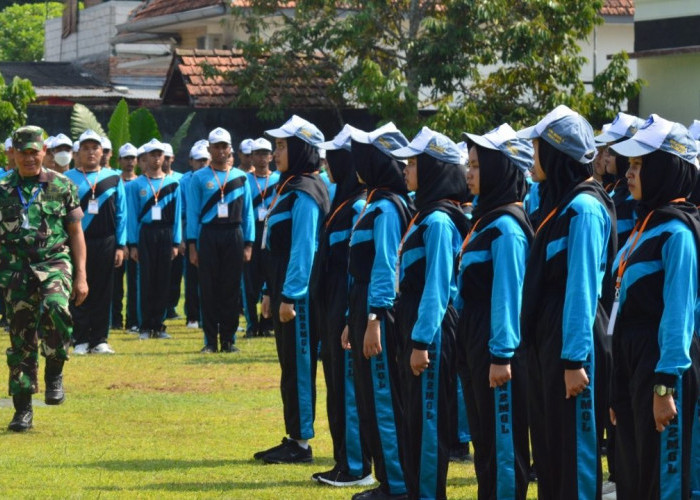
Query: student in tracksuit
x=177, y=266
x=490, y=290
x=329, y=298
x=656, y=354
x=425, y=318
x=290, y=235
x=154, y=232
x=220, y=233
x=371, y=332
x=103, y=201
x=263, y=184
x=561, y=312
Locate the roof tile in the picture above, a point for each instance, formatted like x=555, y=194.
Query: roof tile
x=618, y=8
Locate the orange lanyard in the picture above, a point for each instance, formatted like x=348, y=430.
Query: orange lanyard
x=328, y=222
x=405, y=235
x=262, y=191
x=362, y=212
x=279, y=192
x=156, y=193
x=636, y=234
x=546, y=219
x=92, y=186
x=221, y=186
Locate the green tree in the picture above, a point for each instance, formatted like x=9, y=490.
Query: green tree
x=477, y=63
x=14, y=99
x=22, y=30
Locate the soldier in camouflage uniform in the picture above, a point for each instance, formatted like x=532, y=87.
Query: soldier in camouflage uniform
x=39, y=232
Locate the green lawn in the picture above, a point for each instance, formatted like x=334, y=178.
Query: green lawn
x=158, y=420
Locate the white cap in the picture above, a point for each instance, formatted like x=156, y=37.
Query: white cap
x=659, y=134
x=201, y=142
x=90, y=135
x=386, y=138
x=463, y=153
x=261, y=144
x=48, y=142
x=153, y=145
x=8, y=143
x=622, y=126
x=341, y=140
x=504, y=139
x=694, y=129
x=322, y=154
x=433, y=143
x=106, y=143
x=199, y=152
x=61, y=140
x=219, y=135
x=296, y=126
x=141, y=150
x=246, y=146
x=76, y=146
x=127, y=149
x=168, y=150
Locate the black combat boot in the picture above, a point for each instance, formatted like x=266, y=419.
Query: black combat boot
x=22, y=421
x=53, y=379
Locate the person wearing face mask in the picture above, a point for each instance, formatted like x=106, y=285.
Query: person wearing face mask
x=329, y=297
x=103, y=200
x=656, y=354
x=490, y=289
x=370, y=333
x=425, y=317
x=561, y=312
x=290, y=236
x=62, y=149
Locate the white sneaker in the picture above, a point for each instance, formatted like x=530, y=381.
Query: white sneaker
x=193, y=324
x=81, y=349
x=609, y=490
x=102, y=348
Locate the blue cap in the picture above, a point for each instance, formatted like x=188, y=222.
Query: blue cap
x=341, y=140
x=622, y=126
x=504, y=139
x=298, y=127
x=694, y=129
x=658, y=134
x=566, y=131
x=386, y=138
x=433, y=143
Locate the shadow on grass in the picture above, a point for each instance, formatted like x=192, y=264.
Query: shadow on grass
x=232, y=359
x=146, y=465
x=212, y=486
x=462, y=481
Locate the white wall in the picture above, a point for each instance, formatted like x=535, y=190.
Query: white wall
x=646, y=10
x=672, y=90
x=610, y=38
x=96, y=26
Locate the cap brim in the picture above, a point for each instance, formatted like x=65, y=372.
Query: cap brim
x=527, y=133
x=278, y=133
x=632, y=148
x=405, y=152
x=328, y=145
x=471, y=139
x=36, y=146
x=607, y=137
x=360, y=136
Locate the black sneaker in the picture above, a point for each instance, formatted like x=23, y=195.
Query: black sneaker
x=290, y=453
x=461, y=453
x=316, y=475
x=340, y=478
x=207, y=349
x=258, y=455
x=229, y=347
x=377, y=494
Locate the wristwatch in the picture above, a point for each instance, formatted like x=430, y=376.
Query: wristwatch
x=372, y=317
x=663, y=390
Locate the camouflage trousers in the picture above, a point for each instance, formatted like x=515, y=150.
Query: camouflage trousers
x=37, y=308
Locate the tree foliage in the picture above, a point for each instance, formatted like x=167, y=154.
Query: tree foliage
x=14, y=99
x=478, y=63
x=22, y=30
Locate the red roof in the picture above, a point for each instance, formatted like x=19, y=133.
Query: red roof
x=618, y=8
x=187, y=85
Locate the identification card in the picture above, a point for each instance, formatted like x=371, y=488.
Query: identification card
x=263, y=244
x=613, y=317
x=222, y=210
x=25, y=220
x=262, y=213
x=93, y=207
x=156, y=213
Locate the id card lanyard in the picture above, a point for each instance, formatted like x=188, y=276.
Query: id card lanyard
x=26, y=204
x=156, y=212
x=222, y=206
x=93, y=205
x=262, y=210
x=263, y=243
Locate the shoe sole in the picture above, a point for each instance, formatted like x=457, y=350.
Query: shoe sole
x=365, y=481
x=54, y=402
x=305, y=460
x=19, y=429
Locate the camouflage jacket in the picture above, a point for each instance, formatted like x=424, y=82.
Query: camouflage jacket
x=41, y=241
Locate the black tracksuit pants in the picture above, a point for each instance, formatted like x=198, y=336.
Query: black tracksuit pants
x=253, y=281
x=91, y=319
x=176, y=271
x=220, y=267
x=128, y=268
x=155, y=249
x=192, y=309
x=426, y=399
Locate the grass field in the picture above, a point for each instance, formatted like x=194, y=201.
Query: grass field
x=160, y=420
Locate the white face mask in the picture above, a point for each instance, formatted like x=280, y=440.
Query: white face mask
x=63, y=158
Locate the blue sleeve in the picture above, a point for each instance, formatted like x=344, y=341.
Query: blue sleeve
x=679, y=259
x=193, y=203
x=132, y=220
x=439, y=268
x=387, y=236
x=177, y=223
x=248, y=216
x=305, y=222
x=509, y=253
x=587, y=244
x=122, y=214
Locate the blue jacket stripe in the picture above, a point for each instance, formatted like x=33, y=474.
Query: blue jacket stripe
x=353, y=444
x=505, y=453
x=586, y=441
x=695, y=455
x=671, y=451
x=429, y=432
x=463, y=432
x=303, y=364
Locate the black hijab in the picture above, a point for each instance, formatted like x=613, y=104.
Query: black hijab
x=563, y=175
x=441, y=186
x=500, y=181
x=342, y=168
x=302, y=173
x=384, y=174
